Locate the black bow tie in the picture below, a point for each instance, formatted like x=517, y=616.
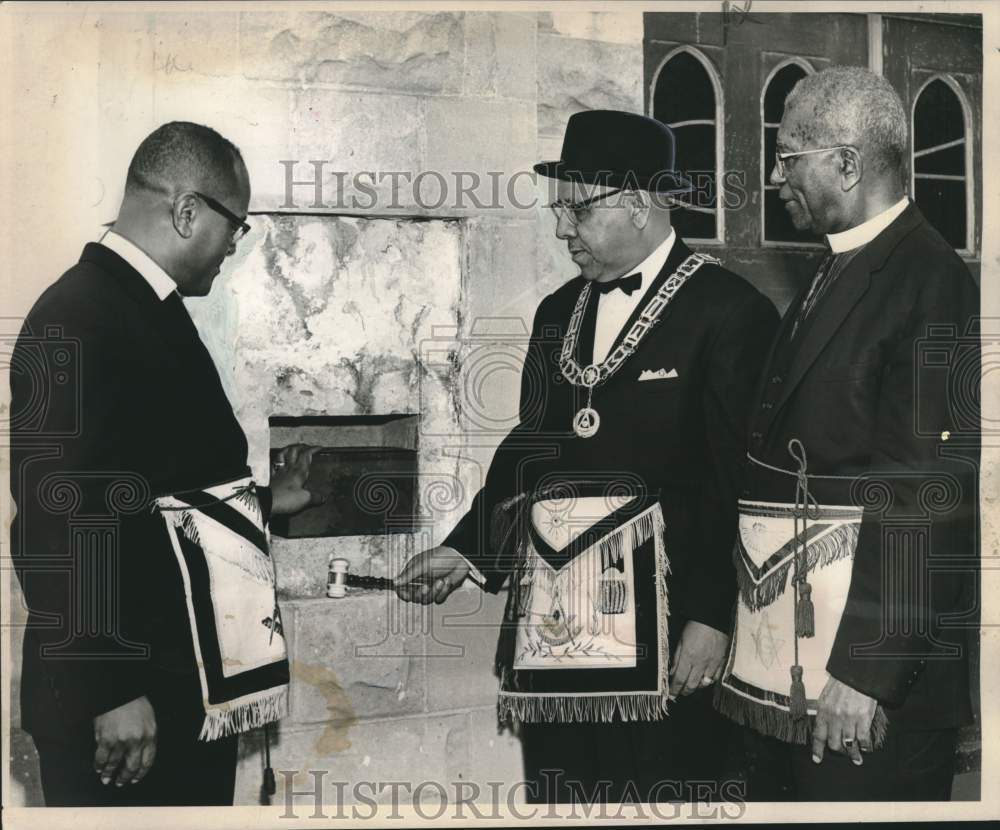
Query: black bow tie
x=627, y=284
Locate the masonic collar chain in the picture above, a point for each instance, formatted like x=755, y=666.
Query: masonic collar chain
x=586, y=422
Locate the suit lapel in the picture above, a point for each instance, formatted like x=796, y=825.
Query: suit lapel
x=843, y=296
x=678, y=253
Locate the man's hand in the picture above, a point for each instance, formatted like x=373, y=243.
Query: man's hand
x=289, y=472
x=843, y=721
x=431, y=575
x=697, y=659
x=126, y=738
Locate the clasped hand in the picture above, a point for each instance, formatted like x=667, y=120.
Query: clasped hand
x=431, y=576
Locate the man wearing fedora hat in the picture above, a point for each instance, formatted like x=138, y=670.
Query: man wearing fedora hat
x=610, y=508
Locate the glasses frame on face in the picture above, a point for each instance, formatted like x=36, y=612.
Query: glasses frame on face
x=779, y=157
x=572, y=209
x=240, y=226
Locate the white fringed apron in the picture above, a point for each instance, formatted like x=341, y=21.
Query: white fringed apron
x=221, y=546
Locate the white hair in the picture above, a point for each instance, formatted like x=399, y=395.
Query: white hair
x=852, y=105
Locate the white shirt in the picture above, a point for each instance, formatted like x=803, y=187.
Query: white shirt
x=615, y=307
x=158, y=279
x=865, y=232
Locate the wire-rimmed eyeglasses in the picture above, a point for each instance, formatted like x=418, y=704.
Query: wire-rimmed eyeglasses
x=779, y=157
x=576, y=212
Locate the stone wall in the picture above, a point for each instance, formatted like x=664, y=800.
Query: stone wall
x=403, y=306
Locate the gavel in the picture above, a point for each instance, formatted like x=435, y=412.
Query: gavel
x=339, y=580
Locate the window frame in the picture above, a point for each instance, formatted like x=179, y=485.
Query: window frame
x=720, y=143
x=969, y=250
x=765, y=186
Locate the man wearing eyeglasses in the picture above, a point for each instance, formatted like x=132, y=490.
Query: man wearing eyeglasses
x=857, y=521
x=610, y=507
x=115, y=403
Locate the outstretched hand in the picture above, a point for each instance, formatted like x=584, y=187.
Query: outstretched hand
x=289, y=472
x=432, y=575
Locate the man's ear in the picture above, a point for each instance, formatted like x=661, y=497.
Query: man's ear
x=183, y=213
x=639, y=208
x=851, y=168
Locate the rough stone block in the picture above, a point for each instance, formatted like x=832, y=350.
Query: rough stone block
x=611, y=27
x=502, y=259
x=365, y=760
x=496, y=758
x=460, y=650
x=501, y=300
x=254, y=117
x=363, y=148
x=467, y=140
x=125, y=97
x=575, y=75
x=402, y=51
x=500, y=58
x=359, y=657
x=190, y=44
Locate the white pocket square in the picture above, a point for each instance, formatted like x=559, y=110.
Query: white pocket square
x=659, y=374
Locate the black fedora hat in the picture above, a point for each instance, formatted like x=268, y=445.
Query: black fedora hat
x=617, y=149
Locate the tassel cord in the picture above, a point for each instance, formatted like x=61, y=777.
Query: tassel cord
x=802, y=606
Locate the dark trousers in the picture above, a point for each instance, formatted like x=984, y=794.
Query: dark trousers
x=186, y=771
x=680, y=758
x=910, y=766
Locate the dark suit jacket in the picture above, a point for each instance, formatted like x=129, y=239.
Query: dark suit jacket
x=114, y=401
x=683, y=436
x=879, y=373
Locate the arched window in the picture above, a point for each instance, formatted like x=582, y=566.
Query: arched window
x=687, y=97
x=941, y=182
x=776, y=224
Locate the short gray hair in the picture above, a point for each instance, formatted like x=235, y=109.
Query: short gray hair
x=852, y=105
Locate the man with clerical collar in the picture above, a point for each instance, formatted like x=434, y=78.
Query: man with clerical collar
x=857, y=519
x=610, y=510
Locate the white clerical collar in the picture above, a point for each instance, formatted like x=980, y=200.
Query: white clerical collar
x=865, y=232
x=653, y=264
x=158, y=279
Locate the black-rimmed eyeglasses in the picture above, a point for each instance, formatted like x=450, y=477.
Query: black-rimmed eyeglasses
x=576, y=212
x=240, y=226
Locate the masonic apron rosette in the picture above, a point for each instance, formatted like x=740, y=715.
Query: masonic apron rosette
x=584, y=636
x=221, y=546
x=794, y=555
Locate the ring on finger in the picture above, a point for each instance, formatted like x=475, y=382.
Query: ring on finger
x=707, y=680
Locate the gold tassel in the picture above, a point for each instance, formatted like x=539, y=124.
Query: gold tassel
x=797, y=695
x=805, y=616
